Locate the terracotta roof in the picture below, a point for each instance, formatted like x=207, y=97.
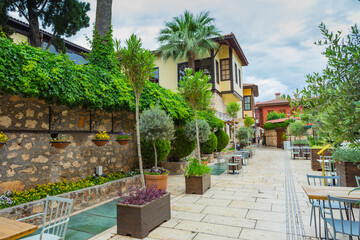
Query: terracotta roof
x=276, y=101
x=231, y=39
x=253, y=87
x=23, y=27
x=281, y=120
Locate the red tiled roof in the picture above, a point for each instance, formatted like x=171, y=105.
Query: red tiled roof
x=276, y=101
x=280, y=120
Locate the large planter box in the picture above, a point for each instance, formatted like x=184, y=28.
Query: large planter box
x=347, y=172
x=176, y=168
x=197, y=185
x=138, y=220
x=315, y=165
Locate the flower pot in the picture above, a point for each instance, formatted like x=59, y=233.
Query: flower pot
x=138, y=220
x=2, y=144
x=157, y=181
x=60, y=145
x=123, y=141
x=100, y=142
x=315, y=165
x=197, y=184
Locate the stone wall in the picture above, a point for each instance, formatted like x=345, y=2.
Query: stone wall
x=83, y=198
x=271, y=137
x=28, y=159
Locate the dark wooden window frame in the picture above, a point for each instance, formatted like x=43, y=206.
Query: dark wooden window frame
x=236, y=75
x=221, y=69
x=217, y=72
x=247, y=97
x=239, y=78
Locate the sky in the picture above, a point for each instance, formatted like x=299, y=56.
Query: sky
x=276, y=36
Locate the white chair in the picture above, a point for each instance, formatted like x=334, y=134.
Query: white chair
x=55, y=227
x=328, y=166
x=305, y=151
x=295, y=151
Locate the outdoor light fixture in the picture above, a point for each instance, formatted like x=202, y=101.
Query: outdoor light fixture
x=99, y=170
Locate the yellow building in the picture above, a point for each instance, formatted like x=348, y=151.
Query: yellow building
x=250, y=91
x=224, y=65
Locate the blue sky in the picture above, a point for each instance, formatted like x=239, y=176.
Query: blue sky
x=276, y=35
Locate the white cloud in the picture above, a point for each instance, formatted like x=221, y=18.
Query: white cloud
x=268, y=87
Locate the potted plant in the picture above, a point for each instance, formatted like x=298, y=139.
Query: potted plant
x=101, y=139
x=156, y=127
x=286, y=143
x=197, y=177
x=141, y=211
x=60, y=142
x=123, y=138
x=347, y=159
x=3, y=139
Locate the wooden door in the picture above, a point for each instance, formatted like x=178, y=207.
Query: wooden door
x=279, y=133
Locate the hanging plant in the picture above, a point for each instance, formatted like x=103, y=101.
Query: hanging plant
x=101, y=139
x=60, y=142
x=123, y=138
x=3, y=139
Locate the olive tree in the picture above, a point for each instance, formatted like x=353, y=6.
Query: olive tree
x=137, y=64
x=155, y=124
x=297, y=129
x=232, y=110
x=196, y=91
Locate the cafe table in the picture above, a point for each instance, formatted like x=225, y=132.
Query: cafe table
x=11, y=229
x=321, y=192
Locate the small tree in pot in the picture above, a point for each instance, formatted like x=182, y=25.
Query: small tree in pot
x=155, y=125
x=232, y=110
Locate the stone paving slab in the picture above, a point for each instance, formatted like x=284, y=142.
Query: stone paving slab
x=250, y=205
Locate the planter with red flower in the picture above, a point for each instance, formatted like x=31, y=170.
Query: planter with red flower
x=60, y=142
x=101, y=139
x=141, y=211
x=123, y=138
x=157, y=178
x=3, y=139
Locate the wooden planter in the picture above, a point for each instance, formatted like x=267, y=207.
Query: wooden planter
x=138, y=220
x=315, y=165
x=157, y=181
x=347, y=172
x=100, y=142
x=60, y=145
x=123, y=141
x=198, y=185
x=2, y=144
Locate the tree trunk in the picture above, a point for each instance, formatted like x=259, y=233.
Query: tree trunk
x=197, y=137
x=34, y=31
x=103, y=16
x=234, y=135
x=191, y=61
x=137, y=96
x=154, y=145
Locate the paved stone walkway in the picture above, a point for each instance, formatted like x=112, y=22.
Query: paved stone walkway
x=265, y=201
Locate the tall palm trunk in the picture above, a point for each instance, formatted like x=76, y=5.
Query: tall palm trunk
x=34, y=30
x=197, y=136
x=234, y=135
x=103, y=16
x=137, y=97
x=154, y=145
x=191, y=61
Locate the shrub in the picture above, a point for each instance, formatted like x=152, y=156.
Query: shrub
x=269, y=126
x=248, y=121
x=222, y=140
x=141, y=196
x=303, y=142
x=214, y=122
x=297, y=129
x=196, y=169
x=163, y=148
x=243, y=133
x=284, y=137
x=346, y=155
x=210, y=145
x=180, y=146
x=275, y=115
x=204, y=130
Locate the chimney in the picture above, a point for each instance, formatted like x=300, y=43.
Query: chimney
x=277, y=95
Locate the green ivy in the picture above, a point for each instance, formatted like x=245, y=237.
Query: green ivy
x=32, y=72
x=269, y=125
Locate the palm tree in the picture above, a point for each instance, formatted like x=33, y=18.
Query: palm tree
x=232, y=110
x=187, y=37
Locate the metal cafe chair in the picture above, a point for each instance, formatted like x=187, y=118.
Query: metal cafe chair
x=295, y=151
x=59, y=210
x=306, y=152
x=319, y=180
x=357, y=178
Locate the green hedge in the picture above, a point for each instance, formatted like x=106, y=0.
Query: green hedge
x=32, y=72
x=181, y=147
x=269, y=125
x=163, y=148
x=210, y=145
x=223, y=140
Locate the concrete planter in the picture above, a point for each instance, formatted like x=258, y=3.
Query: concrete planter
x=197, y=184
x=138, y=220
x=347, y=172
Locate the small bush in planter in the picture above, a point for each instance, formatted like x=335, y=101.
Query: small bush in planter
x=210, y=145
x=243, y=136
x=347, y=154
x=180, y=146
x=301, y=142
x=163, y=148
x=141, y=196
x=196, y=169
x=222, y=140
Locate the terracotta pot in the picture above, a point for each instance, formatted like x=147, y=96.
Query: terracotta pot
x=2, y=144
x=157, y=181
x=60, y=145
x=123, y=141
x=100, y=142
